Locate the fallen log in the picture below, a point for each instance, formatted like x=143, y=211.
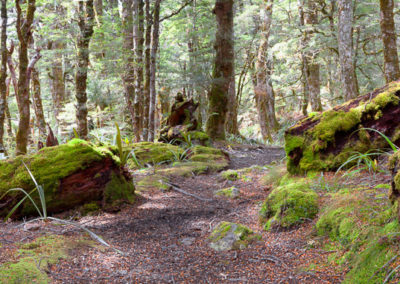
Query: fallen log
x=72, y=175
x=324, y=141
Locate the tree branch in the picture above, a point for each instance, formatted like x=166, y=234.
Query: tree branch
x=177, y=11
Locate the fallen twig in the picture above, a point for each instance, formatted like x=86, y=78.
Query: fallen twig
x=178, y=189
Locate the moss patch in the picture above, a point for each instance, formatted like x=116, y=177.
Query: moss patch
x=150, y=182
x=230, y=175
x=289, y=204
x=230, y=192
x=227, y=236
x=34, y=258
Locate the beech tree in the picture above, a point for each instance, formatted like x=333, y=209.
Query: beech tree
x=346, y=49
x=85, y=23
x=3, y=72
x=391, y=57
x=223, y=69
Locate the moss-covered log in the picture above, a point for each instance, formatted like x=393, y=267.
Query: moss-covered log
x=72, y=175
x=324, y=141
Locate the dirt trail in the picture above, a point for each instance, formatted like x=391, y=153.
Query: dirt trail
x=164, y=236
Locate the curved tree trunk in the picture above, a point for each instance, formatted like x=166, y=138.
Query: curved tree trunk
x=85, y=22
x=223, y=70
x=392, y=70
x=346, y=51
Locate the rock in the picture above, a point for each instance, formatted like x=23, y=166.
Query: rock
x=230, y=192
x=228, y=236
x=187, y=241
x=325, y=141
x=71, y=175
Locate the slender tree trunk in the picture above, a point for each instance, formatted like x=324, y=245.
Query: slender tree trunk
x=38, y=106
x=232, y=126
x=304, y=64
x=265, y=97
x=24, y=31
x=85, y=22
x=223, y=70
x=392, y=70
x=3, y=72
x=146, y=87
x=346, y=51
x=153, y=66
x=313, y=81
x=139, y=41
x=57, y=83
x=98, y=9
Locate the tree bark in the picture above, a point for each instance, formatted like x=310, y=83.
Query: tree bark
x=147, y=74
x=24, y=32
x=346, y=51
x=38, y=106
x=3, y=72
x=312, y=67
x=139, y=41
x=232, y=126
x=153, y=66
x=223, y=70
x=85, y=22
x=392, y=70
x=128, y=75
x=264, y=92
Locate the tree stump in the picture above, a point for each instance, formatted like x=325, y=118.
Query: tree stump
x=324, y=141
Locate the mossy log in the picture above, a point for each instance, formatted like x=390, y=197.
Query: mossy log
x=324, y=141
x=71, y=175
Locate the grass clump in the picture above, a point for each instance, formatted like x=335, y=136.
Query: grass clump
x=291, y=203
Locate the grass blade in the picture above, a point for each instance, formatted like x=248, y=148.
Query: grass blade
x=27, y=195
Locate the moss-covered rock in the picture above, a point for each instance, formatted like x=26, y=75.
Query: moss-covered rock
x=230, y=175
x=71, y=175
x=230, y=192
x=326, y=140
x=228, y=236
x=289, y=204
x=153, y=153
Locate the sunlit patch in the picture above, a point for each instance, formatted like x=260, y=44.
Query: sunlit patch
x=152, y=205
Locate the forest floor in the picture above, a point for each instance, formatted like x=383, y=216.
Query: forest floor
x=163, y=237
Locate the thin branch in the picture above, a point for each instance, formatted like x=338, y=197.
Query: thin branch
x=177, y=11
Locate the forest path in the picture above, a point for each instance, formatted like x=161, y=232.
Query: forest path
x=164, y=236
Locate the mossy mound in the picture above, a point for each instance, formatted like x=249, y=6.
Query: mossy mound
x=153, y=153
x=154, y=181
x=289, y=204
x=71, y=175
x=230, y=192
x=230, y=175
x=326, y=140
x=228, y=236
x=35, y=257
x=361, y=223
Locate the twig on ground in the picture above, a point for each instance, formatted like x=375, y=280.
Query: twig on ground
x=178, y=189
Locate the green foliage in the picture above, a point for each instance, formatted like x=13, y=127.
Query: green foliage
x=230, y=175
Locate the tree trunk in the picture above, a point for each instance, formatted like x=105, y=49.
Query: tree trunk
x=139, y=41
x=223, y=70
x=327, y=140
x=24, y=31
x=128, y=75
x=146, y=88
x=85, y=22
x=392, y=71
x=3, y=71
x=346, y=51
x=57, y=82
x=232, y=126
x=153, y=66
x=98, y=9
x=304, y=65
x=38, y=107
x=265, y=97
x=312, y=67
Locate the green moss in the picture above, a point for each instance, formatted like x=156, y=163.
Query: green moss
x=230, y=192
x=154, y=181
x=289, y=204
x=307, y=152
x=230, y=175
x=90, y=208
x=34, y=258
x=154, y=153
x=199, y=135
x=117, y=191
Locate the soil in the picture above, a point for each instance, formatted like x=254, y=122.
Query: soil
x=164, y=237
